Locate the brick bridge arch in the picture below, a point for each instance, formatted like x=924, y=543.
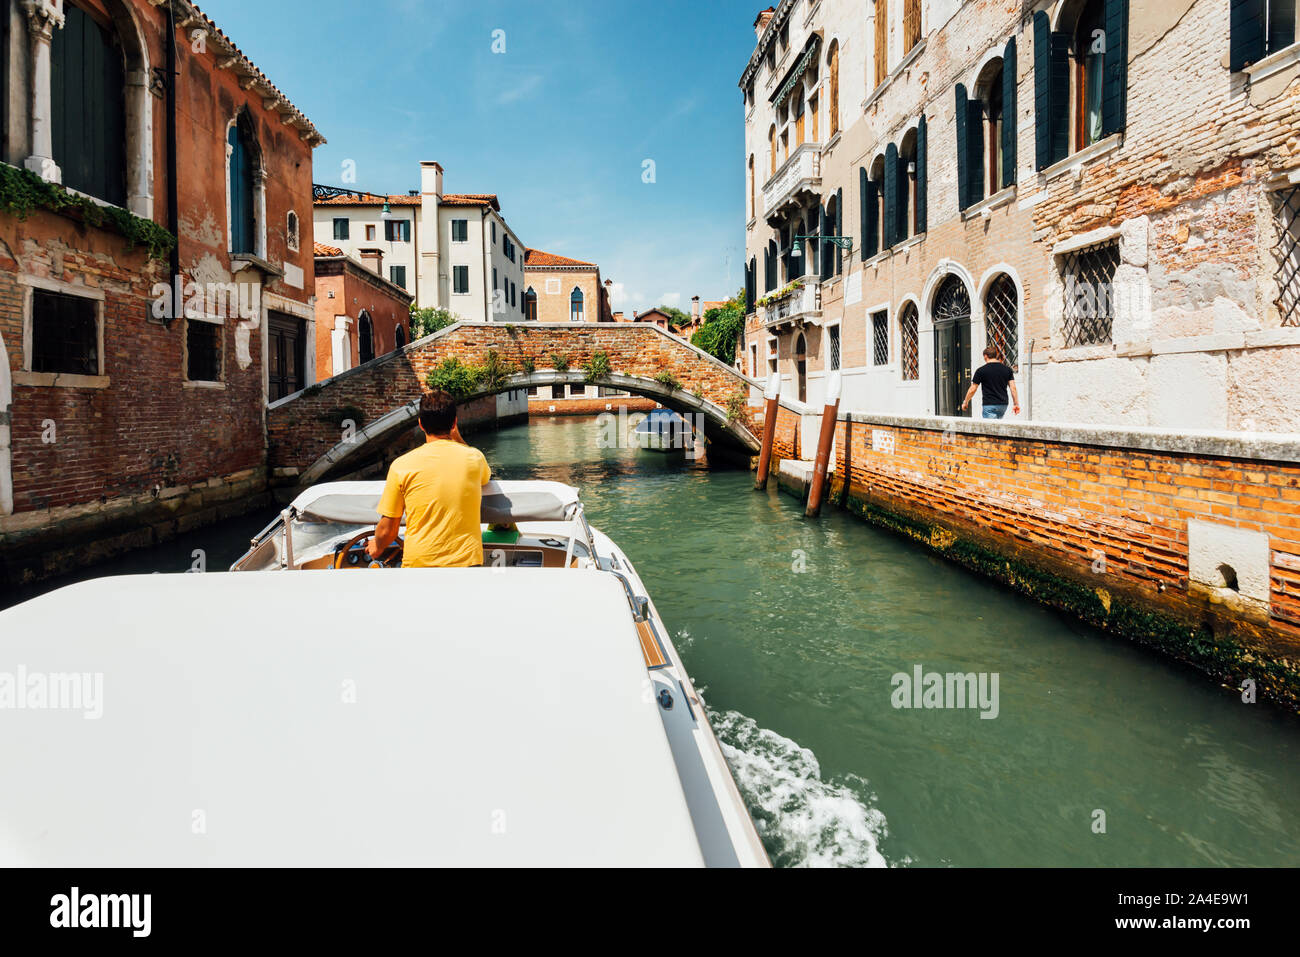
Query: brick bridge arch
x=304, y=429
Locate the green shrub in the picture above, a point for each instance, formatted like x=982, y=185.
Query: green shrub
x=455, y=377
x=668, y=380
x=494, y=371
x=528, y=366
x=559, y=363
x=597, y=367
x=425, y=322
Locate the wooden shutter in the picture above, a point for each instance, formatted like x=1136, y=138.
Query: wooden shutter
x=962, y=117
x=869, y=209
x=920, y=176
x=88, y=107
x=1114, y=90
x=241, y=192
x=767, y=270
x=1246, y=27
x=891, y=196
x=1059, y=113
x=1051, y=93
x=1010, y=116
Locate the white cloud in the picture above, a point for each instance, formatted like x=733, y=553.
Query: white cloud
x=673, y=299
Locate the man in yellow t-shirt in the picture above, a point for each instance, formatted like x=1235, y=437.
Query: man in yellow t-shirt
x=439, y=487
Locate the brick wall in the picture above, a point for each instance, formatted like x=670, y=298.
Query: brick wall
x=1098, y=523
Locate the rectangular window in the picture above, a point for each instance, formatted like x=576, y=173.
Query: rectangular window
x=494, y=233
x=370, y=234
x=880, y=338
x=834, y=347
x=557, y=392
x=65, y=333
x=1089, y=278
x=203, y=352
x=460, y=230
x=397, y=231
x=495, y=287
x=460, y=279
x=577, y=391
x=397, y=274
x=341, y=228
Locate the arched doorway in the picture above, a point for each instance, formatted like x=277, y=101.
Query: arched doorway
x=801, y=366
x=530, y=305
x=365, y=339
x=399, y=336
x=951, y=315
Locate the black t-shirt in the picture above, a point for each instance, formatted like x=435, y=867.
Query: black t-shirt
x=993, y=378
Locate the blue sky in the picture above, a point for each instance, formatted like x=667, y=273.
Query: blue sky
x=559, y=125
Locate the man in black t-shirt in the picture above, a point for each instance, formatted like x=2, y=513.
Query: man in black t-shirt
x=995, y=377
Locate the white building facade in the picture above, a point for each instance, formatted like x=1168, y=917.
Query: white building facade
x=454, y=251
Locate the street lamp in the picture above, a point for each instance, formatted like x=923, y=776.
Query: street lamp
x=387, y=214
x=844, y=242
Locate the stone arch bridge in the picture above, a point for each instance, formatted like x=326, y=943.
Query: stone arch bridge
x=307, y=441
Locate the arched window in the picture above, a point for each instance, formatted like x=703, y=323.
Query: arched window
x=365, y=339
x=801, y=366
x=906, y=196
x=989, y=90
x=399, y=336
x=880, y=52
x=833, y=80
x=530, y=305
x=243, y=161
x=771, y=144
x=1002, y=319
x=1089, y=55
x=291, y=230
x=575, y=305
x=88, y=106
x=909, y=341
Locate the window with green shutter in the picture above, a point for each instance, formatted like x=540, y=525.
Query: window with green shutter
x=243, y=224
x=341, y=228
x=397, y=274
x=1051, y=93
x=460, y=279
x=88, y=107
x=460, y=230
x=891, y=196
x=922, y=200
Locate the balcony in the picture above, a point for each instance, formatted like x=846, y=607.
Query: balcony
x=797, y=306
x=800, y=174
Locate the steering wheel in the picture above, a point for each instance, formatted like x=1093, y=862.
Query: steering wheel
x=352, y=555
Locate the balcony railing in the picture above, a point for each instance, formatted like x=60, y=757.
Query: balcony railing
x=802, y=171
x=799, y=305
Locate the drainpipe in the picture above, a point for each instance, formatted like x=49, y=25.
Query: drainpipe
x=824, y=443
x=773, y=395
x=1029, y=383
x=173, y=189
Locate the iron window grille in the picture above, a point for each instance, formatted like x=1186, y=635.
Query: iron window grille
x=202, y=351
x=1001, y=320
x=65, y=333
x=1288, y=249
x=910, y=342
x=835, y=347
x=880, y=338
x=1089, y=276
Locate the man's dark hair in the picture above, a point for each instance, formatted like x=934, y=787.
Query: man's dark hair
x=437, y=412
x=992, y=353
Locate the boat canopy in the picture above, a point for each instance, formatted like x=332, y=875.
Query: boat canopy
x=504, y=502
x=419, y=717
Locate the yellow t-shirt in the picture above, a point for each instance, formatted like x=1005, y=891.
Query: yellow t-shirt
x=440, y=488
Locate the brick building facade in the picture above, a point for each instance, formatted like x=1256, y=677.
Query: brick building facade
x=560, y=289
x=128, y=412
x=1027, y=176
x=359, y=314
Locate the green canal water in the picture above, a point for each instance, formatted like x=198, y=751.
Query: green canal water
x=794, y=631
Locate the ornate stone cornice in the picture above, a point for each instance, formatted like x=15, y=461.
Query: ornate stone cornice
x=43, y=16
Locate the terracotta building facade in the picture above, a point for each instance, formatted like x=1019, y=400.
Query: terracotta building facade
x=1026, y=177
x=359, y=314
x=136, y=371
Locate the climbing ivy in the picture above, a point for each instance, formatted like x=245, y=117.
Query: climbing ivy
x=22, y=191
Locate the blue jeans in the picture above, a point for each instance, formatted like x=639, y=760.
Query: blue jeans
x=994, y=411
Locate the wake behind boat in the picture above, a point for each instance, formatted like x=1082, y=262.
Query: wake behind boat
x=530, y=713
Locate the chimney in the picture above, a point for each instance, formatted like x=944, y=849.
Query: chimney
x=764, y=18
x=695, y=308
x=431, y=178
x=372, y=259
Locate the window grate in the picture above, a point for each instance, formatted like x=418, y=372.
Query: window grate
x=910, y=342
x=1288, y=249
x=1089, y=276
x=880, y=338
x=1001, y=320
x=835, y=347
x=65, y=333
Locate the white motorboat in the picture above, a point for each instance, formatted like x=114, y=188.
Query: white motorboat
x=663, y=430
x=533, y=712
